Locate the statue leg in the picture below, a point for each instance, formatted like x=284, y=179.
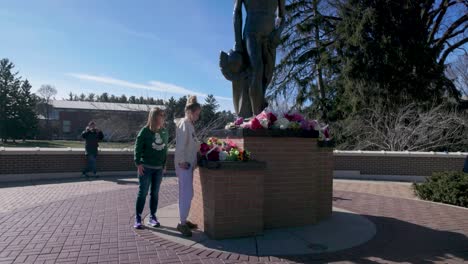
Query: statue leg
x=245, y=108
x=254, y=49
x=269, y=61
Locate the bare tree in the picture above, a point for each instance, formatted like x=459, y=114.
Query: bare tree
x=447, y=22
x=457, y=71
x=409, y=128
x=47, y=92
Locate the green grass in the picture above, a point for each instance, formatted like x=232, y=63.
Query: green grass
x=62, y=144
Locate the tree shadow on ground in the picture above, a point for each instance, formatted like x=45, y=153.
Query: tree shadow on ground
x=399, y=241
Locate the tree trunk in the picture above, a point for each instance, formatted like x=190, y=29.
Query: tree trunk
x=320, y=84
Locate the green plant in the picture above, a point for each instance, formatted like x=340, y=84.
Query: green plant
x=449, y=187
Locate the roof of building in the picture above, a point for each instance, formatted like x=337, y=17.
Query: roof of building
x=62, y=104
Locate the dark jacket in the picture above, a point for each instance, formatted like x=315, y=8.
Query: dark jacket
x=92, y=137
x=151, y=147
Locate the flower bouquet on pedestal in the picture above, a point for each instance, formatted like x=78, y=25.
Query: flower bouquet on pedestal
x=278, y=124
x=215, y=150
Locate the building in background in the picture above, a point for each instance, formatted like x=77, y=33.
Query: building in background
x=67, y=119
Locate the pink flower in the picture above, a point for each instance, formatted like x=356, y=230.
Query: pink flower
x=255, y=124
x=245, y=125
x=262, y=115
x=239, y=121
x=326, y=132
x=230, y=145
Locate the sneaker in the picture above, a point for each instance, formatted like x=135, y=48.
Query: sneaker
x=153, y=221
x=185, y=230
x=191, y=225
x=84, y=175
x=137, y=224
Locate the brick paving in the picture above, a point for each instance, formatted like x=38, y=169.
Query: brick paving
x=90, y=222
x=391, y=189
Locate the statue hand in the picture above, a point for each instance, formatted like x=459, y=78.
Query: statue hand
x=239, y=47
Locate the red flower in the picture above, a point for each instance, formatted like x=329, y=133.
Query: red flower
x=294, y=117
x=289, y=117
x=255, y=124
x=213, y=155
x=204, y=148
x=297, y=117
x=239, y=121
x=272, y=118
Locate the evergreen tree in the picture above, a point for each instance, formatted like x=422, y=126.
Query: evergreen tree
x=104, y=98
x=123, y=99
x=170, y=106
x=7, y=81
x=180, y=107
x=208, y=112
x=309, y=66
x=17, y=104
x=391, y=52
x=27, y=121
x=91, y=97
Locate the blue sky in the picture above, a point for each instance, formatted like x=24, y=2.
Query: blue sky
x=158, y=48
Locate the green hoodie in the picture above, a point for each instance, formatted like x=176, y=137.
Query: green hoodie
x=151, y=148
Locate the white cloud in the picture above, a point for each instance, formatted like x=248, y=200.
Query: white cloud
x=152, y=85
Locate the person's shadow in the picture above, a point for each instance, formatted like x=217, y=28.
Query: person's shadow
x=399, y=241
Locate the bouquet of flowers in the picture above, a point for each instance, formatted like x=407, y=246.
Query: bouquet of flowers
x=218, y=150
x=285, y=121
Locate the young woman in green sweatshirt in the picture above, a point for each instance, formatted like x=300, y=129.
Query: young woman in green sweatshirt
x=150, y=159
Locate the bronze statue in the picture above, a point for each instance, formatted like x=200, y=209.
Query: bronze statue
x=250, y=65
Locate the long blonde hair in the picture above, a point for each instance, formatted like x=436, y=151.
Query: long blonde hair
x=192, y=105
x=152, y=117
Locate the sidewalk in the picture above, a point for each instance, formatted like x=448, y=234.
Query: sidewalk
x=91, y=222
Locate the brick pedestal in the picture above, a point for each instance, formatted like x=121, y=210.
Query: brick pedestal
x=228, y=201
x=298, y=178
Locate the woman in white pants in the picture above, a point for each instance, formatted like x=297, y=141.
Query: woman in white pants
x=185, y=160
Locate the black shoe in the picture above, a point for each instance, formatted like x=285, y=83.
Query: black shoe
x=185, y=230
x=191, y=225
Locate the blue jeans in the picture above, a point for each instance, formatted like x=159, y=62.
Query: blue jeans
x=153, y=178
x=465, y=167
x=91, y=164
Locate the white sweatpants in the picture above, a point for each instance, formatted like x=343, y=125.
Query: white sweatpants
x=185, y=192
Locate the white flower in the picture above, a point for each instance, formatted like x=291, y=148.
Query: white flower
x=282, y=123
x=264, y=122
x=223, y=155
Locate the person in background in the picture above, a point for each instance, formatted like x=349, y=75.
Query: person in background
x=185, y=159
x=150, y=159
x=92, y=136
x=465, y=167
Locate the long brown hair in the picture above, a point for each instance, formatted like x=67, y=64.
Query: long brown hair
x=152, y=116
